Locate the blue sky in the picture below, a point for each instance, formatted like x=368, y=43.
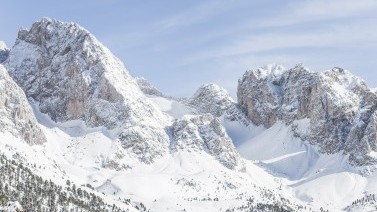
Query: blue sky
x=179, y=45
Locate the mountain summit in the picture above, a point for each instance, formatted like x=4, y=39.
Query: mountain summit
x=339, y=108
x=71, y=76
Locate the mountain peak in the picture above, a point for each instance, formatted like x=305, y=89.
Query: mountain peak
x=269, y=70
x=48, y=29
x=213, y=90
x=71, y=75
x=212, y=98
x=3, y=45
x=345, y=78
x=337, y=103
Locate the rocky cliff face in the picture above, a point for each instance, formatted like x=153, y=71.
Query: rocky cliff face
x=336, y=110
x=205, y=133
x=4, y=52
x=213, y=99
x=16, y=114
x=73, y=76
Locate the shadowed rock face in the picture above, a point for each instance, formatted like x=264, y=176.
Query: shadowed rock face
x=4, y=53
x=73, y=76
x=16, y=114
x=341, y=109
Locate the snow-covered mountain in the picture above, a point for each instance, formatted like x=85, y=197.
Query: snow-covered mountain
x=319, y=132
x=70, y=76
x=77, y=125
x=102, y=132
x=334, y=110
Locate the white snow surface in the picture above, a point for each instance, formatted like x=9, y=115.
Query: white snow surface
x=174, y=109
x=326, y=181
x=183, y=180
x=276, y=161
x=318, y=180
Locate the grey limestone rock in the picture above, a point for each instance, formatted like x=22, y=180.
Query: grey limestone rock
x=205, y=133
x=339, y=106
x=213, y=99
x=71, y=75
x=16, y=114
x=4, y=52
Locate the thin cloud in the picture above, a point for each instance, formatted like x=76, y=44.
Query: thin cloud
x=342, y=34
x=200, y=13
x=319, y=10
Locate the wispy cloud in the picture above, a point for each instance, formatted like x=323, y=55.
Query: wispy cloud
x=202, y=12
x=344, y=33
x=299, y=12
x=336, y=37
x=201, y=39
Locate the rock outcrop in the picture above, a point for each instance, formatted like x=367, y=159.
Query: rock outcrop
x=213, y=99
x=339, y=107
x=16, y=114
x=205, y=133
x=4, y=52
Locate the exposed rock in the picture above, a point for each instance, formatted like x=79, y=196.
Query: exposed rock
x=340, y=107
x=205, y=133
x=213, y=99
x=4, y=52
x=16, y=114
x=73, y=76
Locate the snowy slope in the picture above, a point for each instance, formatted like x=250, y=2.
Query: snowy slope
x=183, y=180
x=321, y=180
